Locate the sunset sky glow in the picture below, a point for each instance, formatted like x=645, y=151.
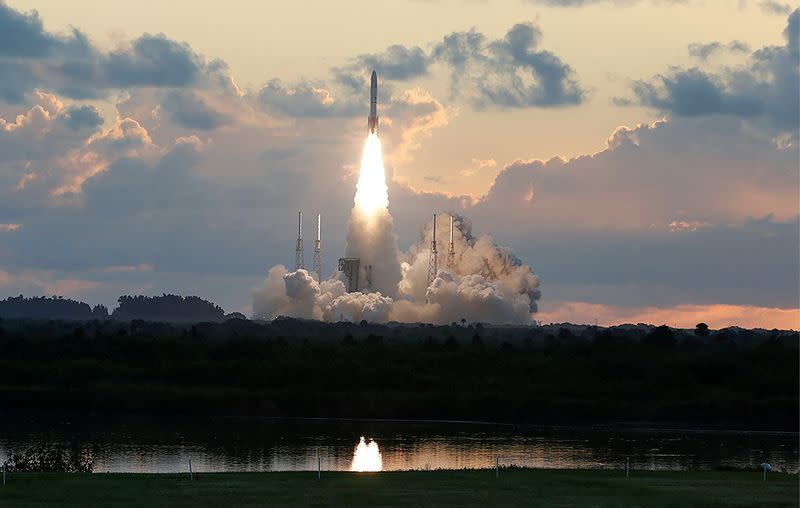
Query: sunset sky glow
x=640, y=155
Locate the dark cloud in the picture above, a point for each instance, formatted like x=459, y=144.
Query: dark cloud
x=509, y=73
x=705, y=50
x=23, y=35
x=16, y=80
x=73, y=67
x=153, y=60
x=190, y=110
x=765, y=89
x=692, y=92
x=397, y=62
x=80, y=117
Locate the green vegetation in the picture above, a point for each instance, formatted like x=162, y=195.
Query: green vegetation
x=515, y=487
x=311, y=369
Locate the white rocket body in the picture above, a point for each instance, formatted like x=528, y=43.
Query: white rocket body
x=372, y=121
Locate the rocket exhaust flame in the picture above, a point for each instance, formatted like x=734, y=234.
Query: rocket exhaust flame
x=371, y=191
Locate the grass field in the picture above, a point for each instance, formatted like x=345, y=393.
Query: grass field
x=517, y=487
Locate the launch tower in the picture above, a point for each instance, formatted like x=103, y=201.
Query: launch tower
x=451, y=251
x=299, y=257
x=318, y=249
x=433, y=263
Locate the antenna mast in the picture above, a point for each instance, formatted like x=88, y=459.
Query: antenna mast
x=433, y=265
x=318, y=249
x=298, y=250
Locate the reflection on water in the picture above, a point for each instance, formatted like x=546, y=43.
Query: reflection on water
x=160, y=444
x=367, y=456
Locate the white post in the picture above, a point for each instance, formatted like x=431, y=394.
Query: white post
x=319, y=468
x=5, y=468
x=765, y=475
x=191, y=475
x=497, y=467
x=627, y=467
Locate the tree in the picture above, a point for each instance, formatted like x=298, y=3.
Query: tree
x=661, y=336
x=701, y=330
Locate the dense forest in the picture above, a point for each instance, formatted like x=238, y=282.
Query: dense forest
x=552, y=374
x=56, y=307
x=167, y=308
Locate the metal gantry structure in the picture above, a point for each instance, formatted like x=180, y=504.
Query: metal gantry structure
x=299, y=257
x=451, y=251
x=318, y=249
x=433, y=263
x=350, y=268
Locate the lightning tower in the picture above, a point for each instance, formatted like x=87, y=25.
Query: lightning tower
x=451, y=252
x=299, y=257
x=433, y=264
x=318, y=249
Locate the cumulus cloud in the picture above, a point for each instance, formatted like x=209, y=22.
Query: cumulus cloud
x=304, y=99
x=73, y=67
x=24, y=35
x=189, y=109
x=708, y=170
x=397, y=62
x=763, y=90
x=511, y=72
x=417, y=113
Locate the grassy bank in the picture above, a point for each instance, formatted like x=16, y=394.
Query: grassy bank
x=519, y=487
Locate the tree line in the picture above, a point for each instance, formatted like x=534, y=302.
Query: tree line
x=167, y=307
x=561, y=374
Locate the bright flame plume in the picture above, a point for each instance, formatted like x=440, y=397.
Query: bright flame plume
x=372, y=194
x=367, y=456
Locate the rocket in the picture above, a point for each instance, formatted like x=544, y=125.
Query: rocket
x=372, y=121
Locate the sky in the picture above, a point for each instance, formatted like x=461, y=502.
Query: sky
x=640, y=155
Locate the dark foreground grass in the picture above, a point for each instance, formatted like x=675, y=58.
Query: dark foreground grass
x=518, y=487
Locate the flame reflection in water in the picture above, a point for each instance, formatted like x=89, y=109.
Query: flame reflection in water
x=367, y=456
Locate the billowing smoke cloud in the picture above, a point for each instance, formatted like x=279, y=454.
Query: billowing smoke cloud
x=486, y=283
x=476, y=280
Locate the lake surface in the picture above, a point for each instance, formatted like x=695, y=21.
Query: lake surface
x=162, y=445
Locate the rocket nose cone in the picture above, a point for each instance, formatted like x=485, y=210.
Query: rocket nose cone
x=374, y=78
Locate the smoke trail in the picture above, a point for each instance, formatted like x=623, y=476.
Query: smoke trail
x=370, y=234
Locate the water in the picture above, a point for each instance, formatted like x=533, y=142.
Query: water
x=163, y=445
